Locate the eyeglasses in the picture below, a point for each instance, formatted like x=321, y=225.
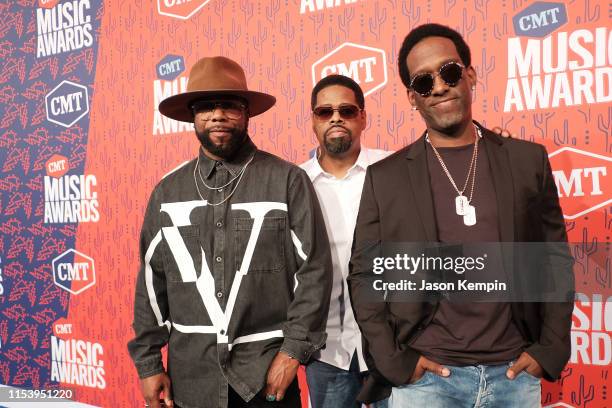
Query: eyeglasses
x=451, y=74
x=232, y=109
x=345, y=112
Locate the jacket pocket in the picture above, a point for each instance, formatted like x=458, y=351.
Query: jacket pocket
x=182, y=253
x=269, y=248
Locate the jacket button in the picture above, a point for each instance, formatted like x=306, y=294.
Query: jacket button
x=218, y=259
x=219, y=224
x=219, y=294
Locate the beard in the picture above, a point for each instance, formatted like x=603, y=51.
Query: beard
x=225, y=151
x=338, y=145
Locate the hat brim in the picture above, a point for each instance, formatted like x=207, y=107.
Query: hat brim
x=177, y=106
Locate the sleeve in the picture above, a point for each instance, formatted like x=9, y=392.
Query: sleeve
x=304, y=330
x=151, y=325
x=386, y=359
x=553, y=349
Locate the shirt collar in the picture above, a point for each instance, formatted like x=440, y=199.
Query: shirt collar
x=244, y=154
x=313, y=167
x=363, y=160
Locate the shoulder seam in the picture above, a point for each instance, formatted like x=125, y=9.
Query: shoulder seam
x=175, y=169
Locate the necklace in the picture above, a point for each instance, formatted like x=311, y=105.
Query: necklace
x=463, y=205
x=226, y=184
x=238, y=176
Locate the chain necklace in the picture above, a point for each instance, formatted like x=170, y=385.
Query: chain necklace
x=238, y=176
x=463, y=205
x=226, y=184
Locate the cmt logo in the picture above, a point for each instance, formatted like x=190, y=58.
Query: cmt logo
x=74, y=271
x=57, y=166
x=540, y=19
x=182, y=9
x=583, y=180
x=67, y=103
x=366, y=65
x=47, y=3
x=170, y=67
x=62, y=328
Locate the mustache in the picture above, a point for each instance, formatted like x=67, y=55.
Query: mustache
x=336, y=127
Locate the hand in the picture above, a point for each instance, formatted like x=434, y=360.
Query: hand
x=527, y=363
x=281, y=373
x=504, y=132
x=151, y=387
x=425, y=364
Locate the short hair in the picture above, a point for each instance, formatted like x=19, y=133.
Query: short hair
x=337, y=80
x=430, y=30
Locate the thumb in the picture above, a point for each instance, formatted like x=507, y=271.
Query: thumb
x=166, y=385
x=516, y=368
x=437, y=368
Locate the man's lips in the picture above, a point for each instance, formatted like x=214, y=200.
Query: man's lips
x=219, y=130
x=445, y=101
x=336, y=131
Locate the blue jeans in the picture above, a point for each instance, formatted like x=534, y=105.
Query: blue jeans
x=333, y=387
x=473, y=386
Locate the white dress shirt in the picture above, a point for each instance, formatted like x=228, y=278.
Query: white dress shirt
x=339, y=199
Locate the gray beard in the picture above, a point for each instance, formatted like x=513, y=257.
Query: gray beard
x=338, y=145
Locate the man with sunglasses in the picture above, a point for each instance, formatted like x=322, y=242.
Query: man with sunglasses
x=458, y=184
x=235, y=260
x=336, y=373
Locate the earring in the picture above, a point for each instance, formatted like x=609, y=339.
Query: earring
x=414, y=108
x=473, y=88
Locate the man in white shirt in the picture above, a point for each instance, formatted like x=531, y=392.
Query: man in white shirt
x=337, y=171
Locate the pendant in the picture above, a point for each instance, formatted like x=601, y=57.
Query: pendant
x=461, y=204
x=469, y=218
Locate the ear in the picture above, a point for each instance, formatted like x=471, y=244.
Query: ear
x=411, y=97
x=471, y=76
x=364, y=119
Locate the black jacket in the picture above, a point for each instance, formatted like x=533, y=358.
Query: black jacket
x=396, y=206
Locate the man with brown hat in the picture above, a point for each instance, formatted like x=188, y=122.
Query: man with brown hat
x=235, y=270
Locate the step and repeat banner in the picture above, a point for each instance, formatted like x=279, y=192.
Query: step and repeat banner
x=82, y=145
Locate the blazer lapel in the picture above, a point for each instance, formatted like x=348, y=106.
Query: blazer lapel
x=418, y=174
x=502, y=181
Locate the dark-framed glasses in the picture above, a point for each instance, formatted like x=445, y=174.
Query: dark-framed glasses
x=231, y=109
x=346, y=111
x=451, y=74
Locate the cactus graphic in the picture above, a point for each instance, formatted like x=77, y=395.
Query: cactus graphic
x=377, y=20
x=412, y=12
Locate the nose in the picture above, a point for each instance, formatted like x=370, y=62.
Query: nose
x=336, y=118
x=218, y=114
x=439, y=86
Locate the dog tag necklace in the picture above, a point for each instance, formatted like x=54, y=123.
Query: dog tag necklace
x=462, y=203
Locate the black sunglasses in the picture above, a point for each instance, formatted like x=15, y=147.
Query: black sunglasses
x=232, y=109
x=345, y=112
x=451, y=74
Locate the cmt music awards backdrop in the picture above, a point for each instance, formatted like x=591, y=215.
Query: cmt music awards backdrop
x=82, y=145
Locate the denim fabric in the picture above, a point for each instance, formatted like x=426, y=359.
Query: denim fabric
x=333, y=387
x=473, y=386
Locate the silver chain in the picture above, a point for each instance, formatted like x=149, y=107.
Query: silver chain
x=223, y=186
x=239, y=176
x=472, y=166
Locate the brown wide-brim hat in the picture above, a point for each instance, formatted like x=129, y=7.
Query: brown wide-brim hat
x=210, y=77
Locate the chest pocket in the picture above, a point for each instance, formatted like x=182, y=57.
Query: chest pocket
x=269, y=253
x=182, y=253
